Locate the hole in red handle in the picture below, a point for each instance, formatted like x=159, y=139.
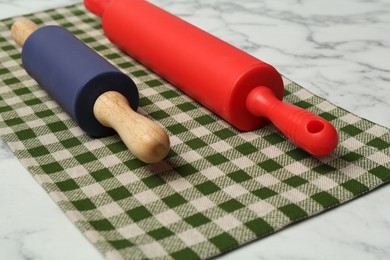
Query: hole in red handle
x=315, y=126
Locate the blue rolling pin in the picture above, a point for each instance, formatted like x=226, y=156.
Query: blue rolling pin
x=99, y=97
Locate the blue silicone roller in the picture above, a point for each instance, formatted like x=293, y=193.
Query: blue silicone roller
x=99, y=97
x=74, y=75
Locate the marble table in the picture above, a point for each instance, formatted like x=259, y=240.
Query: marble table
x=338, y=50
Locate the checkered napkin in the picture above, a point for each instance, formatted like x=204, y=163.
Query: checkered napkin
x=218, y=189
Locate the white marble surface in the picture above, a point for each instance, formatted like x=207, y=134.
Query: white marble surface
x=339, y=50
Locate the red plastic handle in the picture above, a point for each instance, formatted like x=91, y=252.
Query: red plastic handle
x=309, y=131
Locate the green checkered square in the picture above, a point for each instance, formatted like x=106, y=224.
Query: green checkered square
x=264, y=193
x=224, y=242
x=219, y=188
x=240, y=176
x=160, y=233
x=325, y=199
x=197, y=220
x=138, y=213
x=84, y=204
x=174, y=200
x=119, y=193
x=67, y=185
x=231, y=205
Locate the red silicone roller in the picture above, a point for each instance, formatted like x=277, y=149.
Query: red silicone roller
x=235, y=85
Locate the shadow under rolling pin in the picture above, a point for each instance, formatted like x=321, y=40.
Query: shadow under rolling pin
x=233, y=84
x=93, y=92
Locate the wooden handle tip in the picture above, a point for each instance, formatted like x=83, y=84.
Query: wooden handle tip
x=144, y=138
x=21, y=30
x=154, y=146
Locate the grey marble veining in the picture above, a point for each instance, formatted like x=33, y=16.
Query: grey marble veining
x=338, y=50
x=10, y=8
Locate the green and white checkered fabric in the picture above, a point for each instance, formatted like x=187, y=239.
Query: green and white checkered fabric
x=218, y=189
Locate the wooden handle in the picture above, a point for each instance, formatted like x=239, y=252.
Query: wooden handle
x=21, y=30
x=144, y=138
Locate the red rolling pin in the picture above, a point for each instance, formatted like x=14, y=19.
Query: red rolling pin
x=233, y=84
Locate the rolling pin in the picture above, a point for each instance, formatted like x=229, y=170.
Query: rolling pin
x=238, y=87
x=99, y=97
